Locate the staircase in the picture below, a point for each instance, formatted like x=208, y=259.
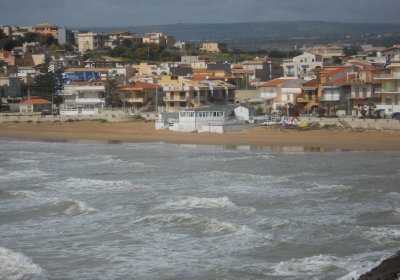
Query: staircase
x=149, y=102
x=195, y=102
x=345, y=124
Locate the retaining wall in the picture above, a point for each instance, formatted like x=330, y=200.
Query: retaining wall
x=379, y=124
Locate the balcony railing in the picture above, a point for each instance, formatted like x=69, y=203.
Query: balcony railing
x=386, y=90
x=329, y=98
x=387, y=76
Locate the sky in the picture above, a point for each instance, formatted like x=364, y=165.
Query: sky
x=107, y=13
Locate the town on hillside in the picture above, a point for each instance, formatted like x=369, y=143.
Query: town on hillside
x=54, y=71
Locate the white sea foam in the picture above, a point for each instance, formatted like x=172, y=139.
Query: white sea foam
x=183, y=202
x=78, y=208
x=91, y=184
x=20, y=193
x=206, y=225
x=317, y=186
x=15, y=266
x=382, y=235
x=249, y=176
x=22, y=161
x=23, y=174
x=306, y=266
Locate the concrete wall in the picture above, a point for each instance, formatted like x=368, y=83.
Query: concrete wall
x=380, y=124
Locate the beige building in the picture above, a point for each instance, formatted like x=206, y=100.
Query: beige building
x=213, y=47
x=301, y=65
x=160, y=39
x=92, y=42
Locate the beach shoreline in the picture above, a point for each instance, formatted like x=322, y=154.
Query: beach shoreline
x=140, y=132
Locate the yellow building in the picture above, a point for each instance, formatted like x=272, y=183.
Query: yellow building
x=389, y=89
x=92, y=41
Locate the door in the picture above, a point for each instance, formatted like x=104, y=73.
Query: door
x=79, y=111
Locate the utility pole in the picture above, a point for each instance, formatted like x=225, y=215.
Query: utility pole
x=156, y=105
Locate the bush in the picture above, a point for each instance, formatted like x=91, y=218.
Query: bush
x=321, y=112
x=69, y=120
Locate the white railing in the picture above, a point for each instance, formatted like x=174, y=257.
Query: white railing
x=387, y=76
x=386, y=90
x=99, y=100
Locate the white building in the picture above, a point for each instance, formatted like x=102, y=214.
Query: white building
x=220, y=119
x=300, y=65
x=83, y=98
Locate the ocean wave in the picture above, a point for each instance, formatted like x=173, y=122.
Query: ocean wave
x=189, y=202
x=21, y=161
x=306, y=266
x=20, y=193
x=206, y=225
x=87, y=184
x=317, y=186
x=15, y=266
x=78, y=208
x=382, y=235
x=249, y=176
x=24, y=174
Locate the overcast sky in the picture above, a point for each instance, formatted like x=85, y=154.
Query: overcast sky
x=106, y=13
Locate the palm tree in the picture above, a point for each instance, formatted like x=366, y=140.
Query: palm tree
x=370, y=105
x=329, y=105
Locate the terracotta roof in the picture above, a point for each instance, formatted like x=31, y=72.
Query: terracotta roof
x=275, y=82
x=335, y=47
x=139, y=86
x=237, y=66
x=35, y=102
x=243, y=71
x=387, y=49
x=314, y=53
x=364, y=65
x=2, y=76
x=342, y=81
x=203, y=77
x=310, y=84
x=5, y=52
x=120, y=32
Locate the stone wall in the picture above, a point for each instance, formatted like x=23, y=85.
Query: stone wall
x=379, y=124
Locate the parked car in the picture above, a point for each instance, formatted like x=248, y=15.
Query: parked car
x=395, y=115
x=47, y=112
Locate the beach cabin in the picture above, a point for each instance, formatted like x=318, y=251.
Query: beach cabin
x=34, y=105
x=219, y=118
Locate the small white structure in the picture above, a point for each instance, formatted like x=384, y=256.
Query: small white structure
x=218, y=119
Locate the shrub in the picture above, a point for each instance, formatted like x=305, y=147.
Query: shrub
x=321, y=112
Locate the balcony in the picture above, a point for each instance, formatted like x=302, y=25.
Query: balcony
x=357, y=81
x=136, y=100
x=177, y=98
x=330, y=97
x=387, y=76
x=387, y=90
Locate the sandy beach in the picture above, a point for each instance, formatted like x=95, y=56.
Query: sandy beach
x=140, y=131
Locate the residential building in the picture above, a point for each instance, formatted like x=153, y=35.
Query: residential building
x=83, y=98
x=301, y=65
x=330, y=55
x=65, y=36
x=184, y=45
x=195, y=93
x=219, y=119
x=214, y=47
x=389, y=89
x=10, y=86
x=312, y=96
x=141, y=94
x=187, y=59
x=276, y=93
x=45, y=28
x=84, y=74
x=92, y=42
x=34, y=105
x=389, y=53
x=160, y=39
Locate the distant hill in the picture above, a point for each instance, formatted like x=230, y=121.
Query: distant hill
x=267, y=29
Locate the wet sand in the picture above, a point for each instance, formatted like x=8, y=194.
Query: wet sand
x=140, y=131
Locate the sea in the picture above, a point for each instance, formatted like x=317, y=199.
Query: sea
x=112, y=210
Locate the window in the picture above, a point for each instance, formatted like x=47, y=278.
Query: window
x=171, y=104
x=312, y=60
x=182, y=104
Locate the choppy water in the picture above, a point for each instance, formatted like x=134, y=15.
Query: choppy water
x=161, y=211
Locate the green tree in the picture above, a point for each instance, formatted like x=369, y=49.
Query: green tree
x=54, y=47
x=111, y=87
x=48, y=39
x=328, y=105
x=370, y=105
x=30, y=37
x=47, y=81
x=67, y=47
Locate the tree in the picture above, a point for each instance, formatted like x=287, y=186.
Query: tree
x=321, y=112
x=370, y=105
x=47, y=81
x=48, y=39
x=67, y=47
x=54, y=47
x=111, y=87
x=328, y=105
